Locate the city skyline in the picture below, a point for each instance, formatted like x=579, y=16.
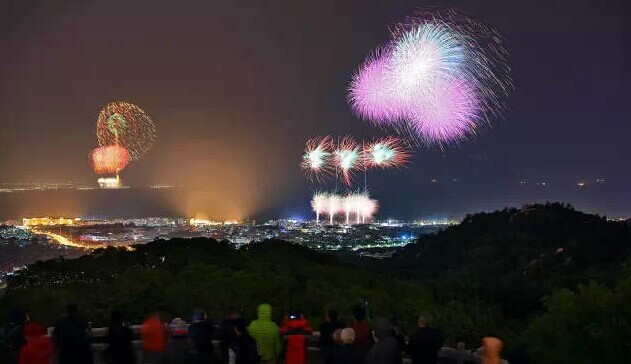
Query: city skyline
x=235, y=91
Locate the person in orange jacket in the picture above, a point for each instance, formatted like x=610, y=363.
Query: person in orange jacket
x=38, y=348
x=296, y=331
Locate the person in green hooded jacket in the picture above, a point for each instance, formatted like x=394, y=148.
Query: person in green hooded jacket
x=265, y=332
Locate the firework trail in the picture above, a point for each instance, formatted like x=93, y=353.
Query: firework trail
x=388, y=152
x=348, y=158
x=319, y=204
x=347, y=206
x=109, y=159
x=316, y=161
x=441, y=77
x=125, y=124
x=334, y=205
x=358, y=204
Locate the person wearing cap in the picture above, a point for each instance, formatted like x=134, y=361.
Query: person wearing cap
x=38, y=348
x=178, y=344
x=387, y=349
x=296, y=331
x=201, y=335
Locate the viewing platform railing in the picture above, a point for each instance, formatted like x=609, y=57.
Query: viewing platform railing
x=446, y=355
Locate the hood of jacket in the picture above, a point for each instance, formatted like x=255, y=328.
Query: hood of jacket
x=264, y=312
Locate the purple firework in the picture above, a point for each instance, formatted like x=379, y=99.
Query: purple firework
x=370, y=91
x=441, y=76
x=448, y=114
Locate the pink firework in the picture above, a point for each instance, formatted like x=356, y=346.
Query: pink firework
x=371, y=90
x=446, y=115
x=388, y=152
x=348, y=158
x=317, y=157
x=440, y=76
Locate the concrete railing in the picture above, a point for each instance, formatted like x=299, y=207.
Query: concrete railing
x=446, y=355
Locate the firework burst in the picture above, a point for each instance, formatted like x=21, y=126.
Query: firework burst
x=442, y=77
x=316, y=161
x=348, y=158
x=371, y=90
x=125, y=124
x=422, y=57
x=388, y=152
x=450, y=113
x=109, y=159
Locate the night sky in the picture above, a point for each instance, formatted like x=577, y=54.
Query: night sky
x=236, y=87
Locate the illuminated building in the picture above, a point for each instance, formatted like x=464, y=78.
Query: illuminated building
x=48, y=221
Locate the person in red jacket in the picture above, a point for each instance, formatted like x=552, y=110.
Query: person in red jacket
x=154, y=338
x=38, y=348
x=296, y=331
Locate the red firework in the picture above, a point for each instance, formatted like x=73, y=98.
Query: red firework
x=109, y=159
